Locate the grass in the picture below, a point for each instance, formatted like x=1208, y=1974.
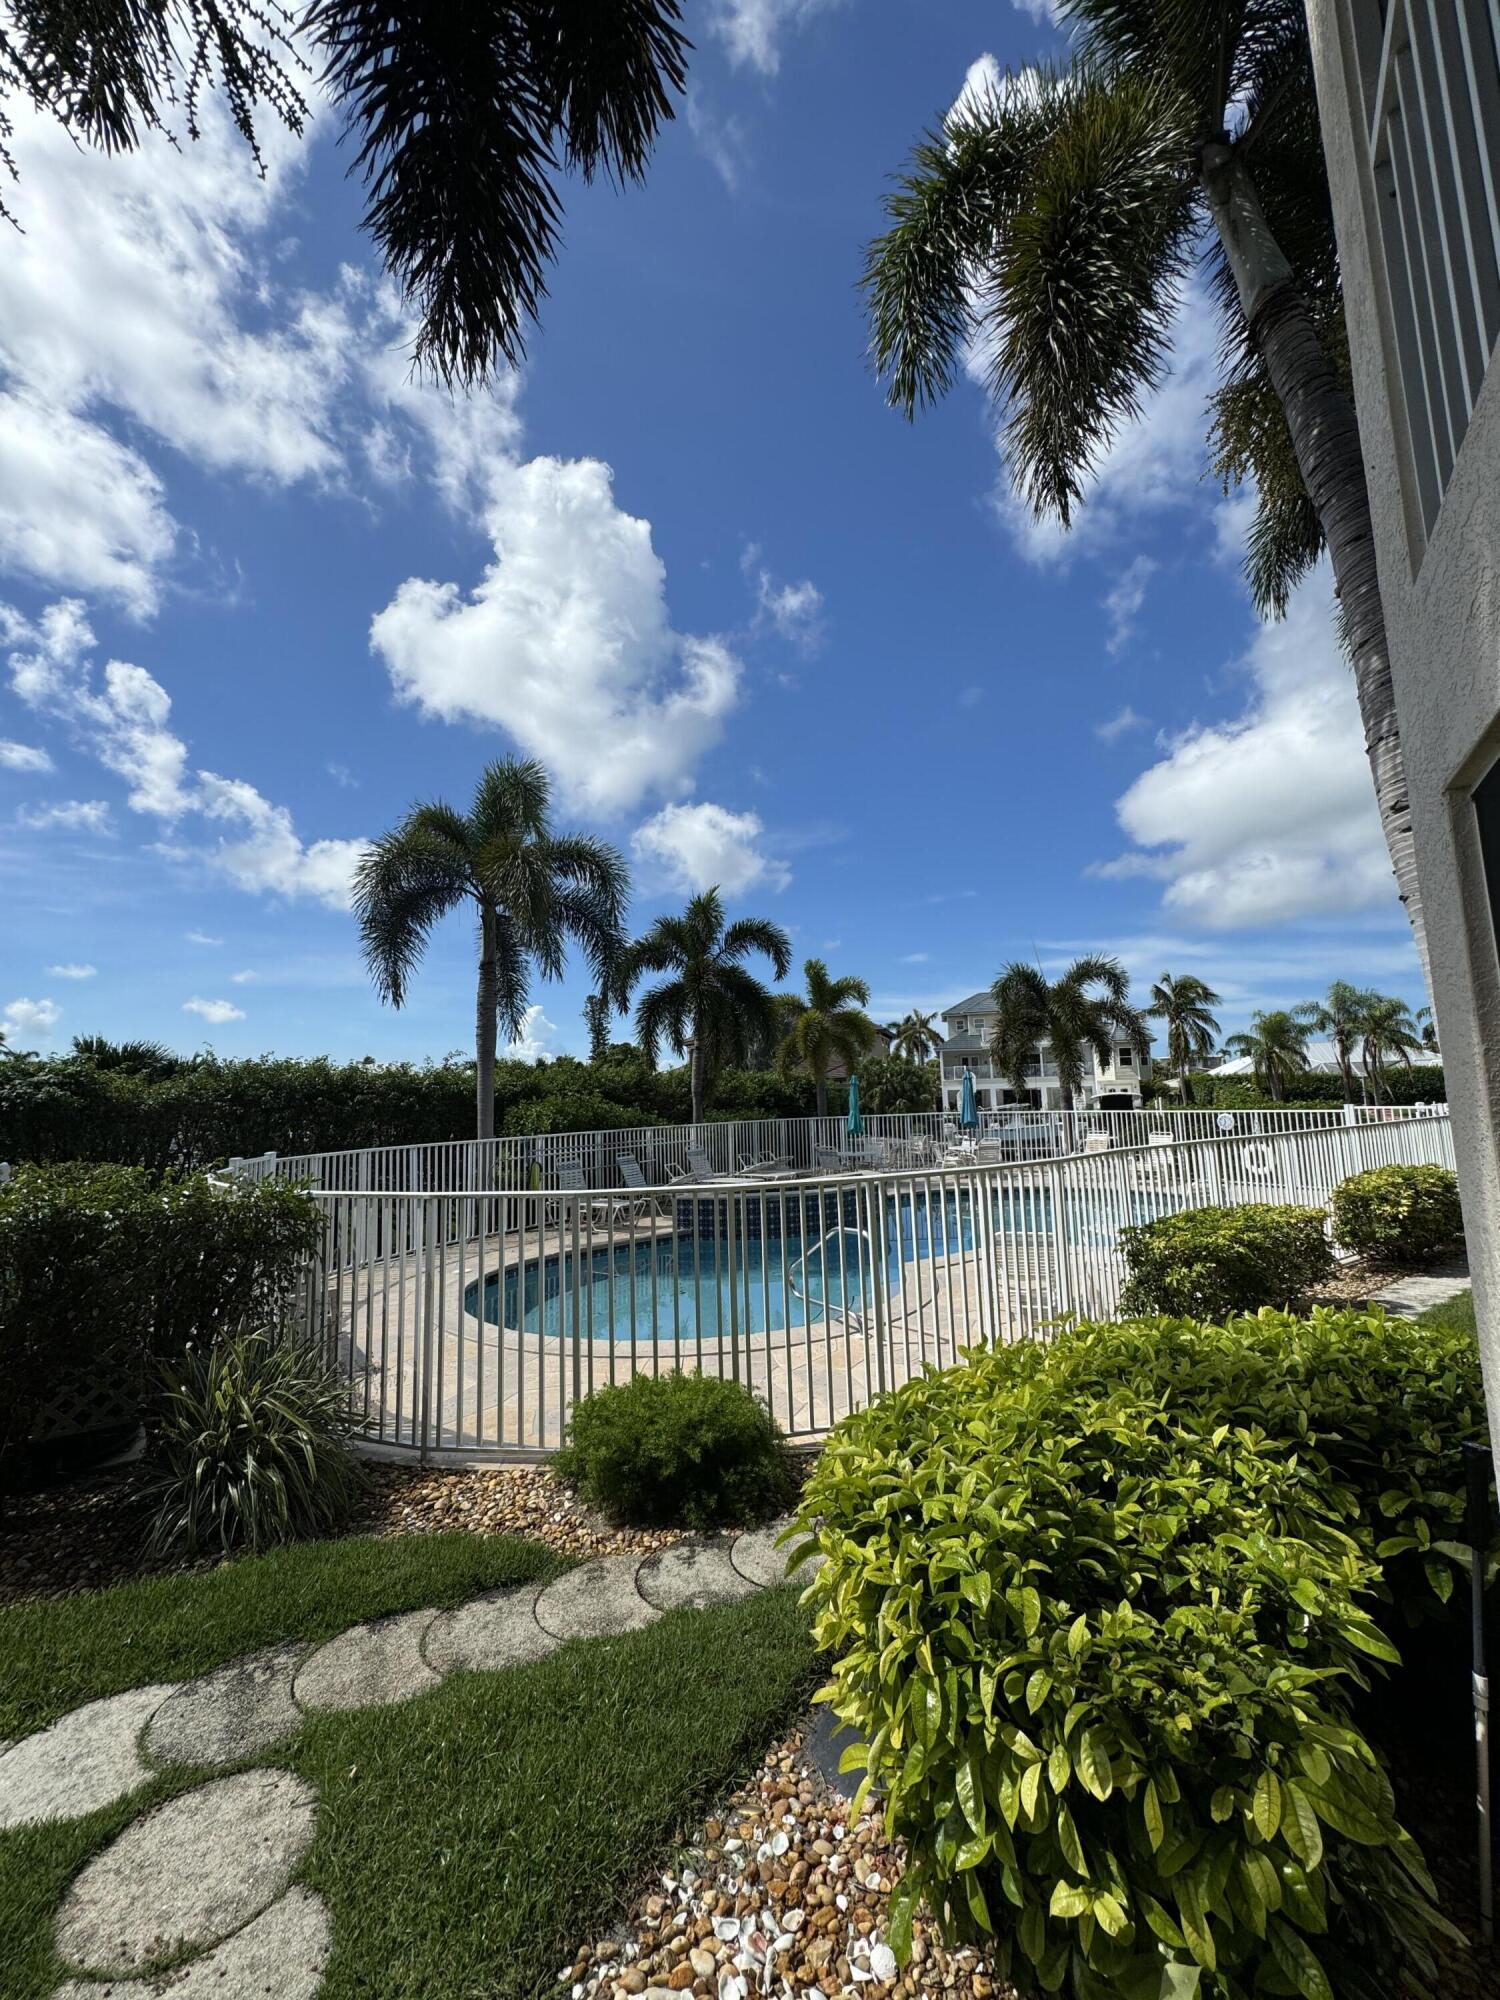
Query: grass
x=57, y=1653
x=1455, y=1312
x=468, y=1840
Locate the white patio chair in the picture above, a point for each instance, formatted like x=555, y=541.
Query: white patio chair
x=646, y=1201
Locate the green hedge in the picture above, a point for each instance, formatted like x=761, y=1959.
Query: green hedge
x=1404, y=1215
x=1098, y=1609
x=1423, y=1083
x=201, y=1113
x=104, y=1270
x=1211, y=1263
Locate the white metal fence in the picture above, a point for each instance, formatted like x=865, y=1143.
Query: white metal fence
x=765, y=1147
x=468, y=1321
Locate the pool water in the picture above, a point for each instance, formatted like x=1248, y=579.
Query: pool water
x=691, y=1286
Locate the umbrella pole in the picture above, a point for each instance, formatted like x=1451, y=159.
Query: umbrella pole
x=1477, y=1467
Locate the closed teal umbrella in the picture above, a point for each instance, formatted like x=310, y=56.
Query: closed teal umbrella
x=968, y=1110
x=856, y=1123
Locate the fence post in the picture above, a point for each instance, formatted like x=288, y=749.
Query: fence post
x=732, y=1239
x=425, y=1259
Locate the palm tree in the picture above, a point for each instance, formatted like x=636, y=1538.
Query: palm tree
x=1277, y=1047
x=533, y=890
x=915, y=1038
x=1429, y=1030
x=140, y=1058
x=1186, y=1005
x=462, y=118
x=1387, y=1029
x=1087, y=1008
x=710, y=1008
x=1340, y=1016
x=1050, y=225
x=828, y=1025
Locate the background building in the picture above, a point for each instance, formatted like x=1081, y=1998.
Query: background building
x=969, y=1024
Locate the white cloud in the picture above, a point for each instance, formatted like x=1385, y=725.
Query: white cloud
x=201, y=937
x=23, y=757
x=703, y=845
x=535, y=1038
x=71, y=815
x=27, y=1021
x=73, y=971
x=720, y=136
x=795, y=610
x=342, y=776
x=243, y=978
x=1270, y=816
x=1116, y=726
x=1046, y=13
x=1125, y=598
x=915, y=958
x=565, y=642
x=125, y=725
x=751, y=30
x=215, y=1011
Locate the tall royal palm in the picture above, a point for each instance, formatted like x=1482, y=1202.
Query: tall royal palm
x=1088, y=1008
x=531, y=889
x=1052, y=225
x=1276, y=1044
x=1387, y=1029
x=826, y=1025
x=1184, y=1006
x=710, y=1007
x=915, y=1038
x=1340, y=1015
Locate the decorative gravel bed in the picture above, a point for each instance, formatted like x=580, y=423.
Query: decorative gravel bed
x=776, y=1894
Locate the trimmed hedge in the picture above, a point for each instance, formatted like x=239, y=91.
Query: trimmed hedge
x=677, y=1450
x=105, y=1270
x=1401, y=1215
x=1098, y=1609
x=1211, y=1263
x=1423, y=1083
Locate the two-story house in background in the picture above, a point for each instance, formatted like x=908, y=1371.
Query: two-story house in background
x=969, y=1025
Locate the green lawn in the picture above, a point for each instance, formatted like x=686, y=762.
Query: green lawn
x=1458, y=1312
x=469, y=1839
x=54, y=1655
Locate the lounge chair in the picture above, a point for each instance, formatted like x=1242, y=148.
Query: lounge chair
x=826, y=1161
x=765, y=1166
x=629, y=1168
x=570, y=1183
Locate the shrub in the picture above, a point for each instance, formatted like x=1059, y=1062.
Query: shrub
x=1210, y=1263
x=253, y=1439
x=1100, y=1640
x=677, y=1450
x=103, y=1269
x=1401, y=1215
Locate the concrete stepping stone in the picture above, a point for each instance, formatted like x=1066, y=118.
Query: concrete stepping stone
x=692, y=1577
x=489, y=1632
x=595, y=1601
x=231, y=1713
x=369, y=1665
x=80, y=1762
x=188, y=1874
x=281, y=1955
x=756, y=1556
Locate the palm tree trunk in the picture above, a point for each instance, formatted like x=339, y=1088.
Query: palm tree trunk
x=1325, y=436
x=484, y=1025
x=695, y=1075
x=822, y=1097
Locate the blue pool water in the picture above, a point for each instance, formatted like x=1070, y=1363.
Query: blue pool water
x=785, y=1270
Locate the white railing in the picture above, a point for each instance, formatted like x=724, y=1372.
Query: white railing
x=760, y=1147
x=1432, y=99
x=468, y=1322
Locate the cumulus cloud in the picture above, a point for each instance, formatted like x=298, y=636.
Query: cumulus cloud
x=23, y=757
x=123, y=719
x=1271, y=815
x=26, y=1021
x=702, y=846
x=535, y=1038
x=215, y=1011
x=68, y=815
x=73, y=971
x=565, y=642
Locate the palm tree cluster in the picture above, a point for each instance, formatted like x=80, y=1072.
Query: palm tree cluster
x=1087, y=1008
x=828, y=1025
x=1185, y=1006
x=1378, y=1028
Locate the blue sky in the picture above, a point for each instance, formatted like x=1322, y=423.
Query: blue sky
x=261, y=591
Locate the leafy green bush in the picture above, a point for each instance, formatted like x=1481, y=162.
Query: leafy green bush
x=253, y=1438
x=1402, y=1215
x=103, y=1269
x=1423, y=1083
x=677, y=1450
x=1211, y=1263
x=1099, y=1636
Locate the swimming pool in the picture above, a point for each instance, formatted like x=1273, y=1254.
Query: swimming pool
x=785, y=1268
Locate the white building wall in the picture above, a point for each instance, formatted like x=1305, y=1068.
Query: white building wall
x=1442, y=603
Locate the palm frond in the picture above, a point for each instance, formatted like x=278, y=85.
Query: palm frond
x=758, y=934
x=404, y=883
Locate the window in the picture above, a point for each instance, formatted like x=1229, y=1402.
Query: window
x=1127, y=1059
